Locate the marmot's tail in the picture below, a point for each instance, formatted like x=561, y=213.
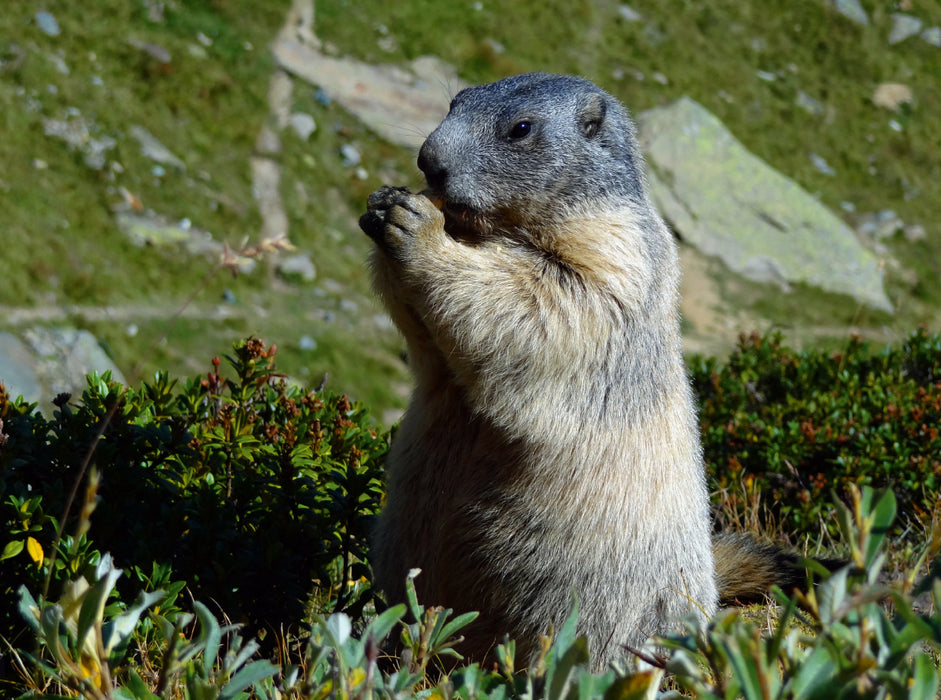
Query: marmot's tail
x=746, y=569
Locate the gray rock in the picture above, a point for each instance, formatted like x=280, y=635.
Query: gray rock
x=150, y=229
x=49, y=361
x=17, y=373
x=629, y=14
x=879, y=225
x=822, y=165
x=903, y=27
x=76, y=132
x=303, y=124
x=155, y=51
x=851, y=9
x=728, y=203
x=401, y=105
x=297, y=268
x=47, y=23
x=383, y=322
x=932, y=35
x=350, y=155
x=307, y=343
x=915, y=233
x=495, y=46
x=266, y=188
x=809, y=104
x=150, y=147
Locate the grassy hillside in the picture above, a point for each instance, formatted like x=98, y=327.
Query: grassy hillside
x=62, y=248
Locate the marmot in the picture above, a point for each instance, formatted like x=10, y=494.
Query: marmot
x=551, y=446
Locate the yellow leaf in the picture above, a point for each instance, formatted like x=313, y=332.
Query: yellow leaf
x=35, y=550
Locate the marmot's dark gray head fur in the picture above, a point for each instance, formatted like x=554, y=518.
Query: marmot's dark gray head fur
x=537, y=144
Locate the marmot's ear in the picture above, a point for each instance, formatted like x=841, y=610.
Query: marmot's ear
x=591, y=114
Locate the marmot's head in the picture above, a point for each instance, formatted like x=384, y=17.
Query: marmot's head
x=529, y=149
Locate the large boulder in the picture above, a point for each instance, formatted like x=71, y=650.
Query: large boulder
x=730, y=204
x=402, y=105
x=44, y=362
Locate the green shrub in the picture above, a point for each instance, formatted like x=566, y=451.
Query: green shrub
x=845, y=644
x=784, y=429
x=260, y=496
x=252, y=491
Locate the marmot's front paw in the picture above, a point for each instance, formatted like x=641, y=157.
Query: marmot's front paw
x=395, y=217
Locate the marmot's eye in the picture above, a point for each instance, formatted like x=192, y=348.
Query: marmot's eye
x=521, y=129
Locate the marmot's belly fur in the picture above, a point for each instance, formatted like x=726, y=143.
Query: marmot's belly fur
x=551, y=446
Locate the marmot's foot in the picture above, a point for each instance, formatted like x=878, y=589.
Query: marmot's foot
x=395, y=217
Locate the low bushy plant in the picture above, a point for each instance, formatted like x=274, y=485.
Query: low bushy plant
x=853, y=637
x=253, y=491
x=782, y=429
x=260, y=495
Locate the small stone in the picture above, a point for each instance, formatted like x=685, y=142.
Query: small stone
x=47, y=23
x=351, y=156
x=228, y=296
x=303, y=124
x=97, y=81
x=891, y=95
x=903, y=27
x=268, y=142
x=894, y=125
x=96, y=150
x=322, y=97
x=307, y=343
x=851, y=9
x=766, y=76
x=932, y=35
x=822, y=165
x=660, y=78
x=153, y=50
x=495, y=46
x=388, y=44
x=203, y=39
x=297, y=268
x=383, y=322
x=155, y=11
x=880, y=225
x=158, y=171
x=131, y=330
x=915, y=233
x=60, y=64
x=629, y=14
x=40, y=164
x=348, y=305
x=151, y=147
x=809, y=104
x=848, y=207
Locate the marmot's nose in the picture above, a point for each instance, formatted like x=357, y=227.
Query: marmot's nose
x=428, y=162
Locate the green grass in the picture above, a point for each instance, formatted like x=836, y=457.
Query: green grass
x=61, y=245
